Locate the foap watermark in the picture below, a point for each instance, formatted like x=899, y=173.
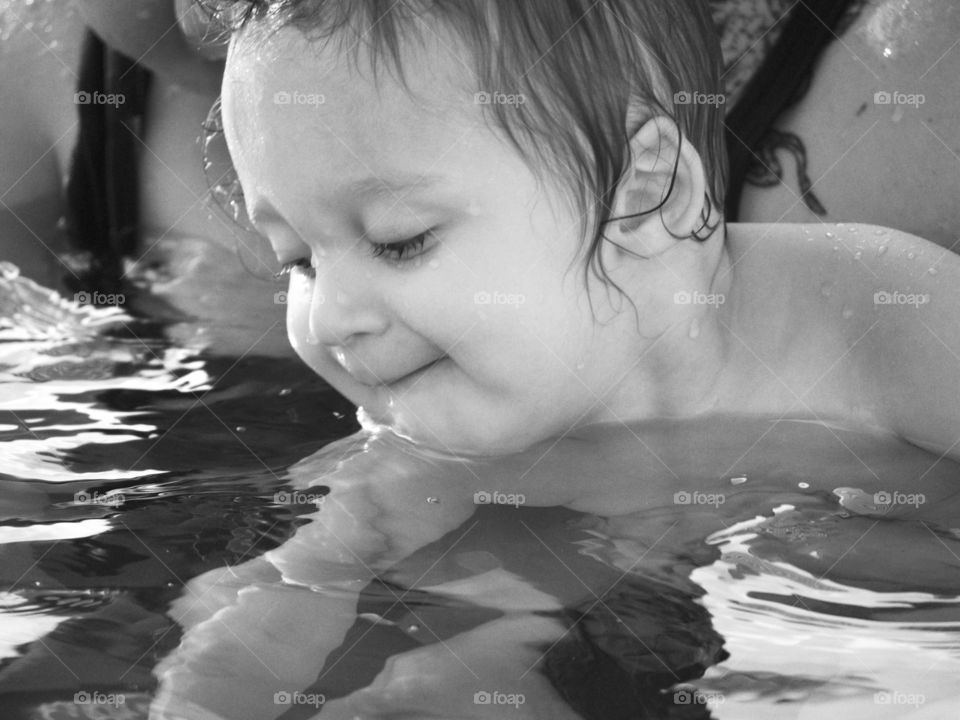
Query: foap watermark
x=891, y=499
x=495, y=497
x=886, y=97
x=896, y=697
x=693, y=696
x=483, y=697
x=684, y=297
x=498, y=98
x=883, y=297
x=85, y=297
x=295, y=697
x=96, y=97
x=498, y=298
x=88, y=697
x=295, y=97
x=110, y=499
x=295, y=497
x=685, y=497
x=687, y=97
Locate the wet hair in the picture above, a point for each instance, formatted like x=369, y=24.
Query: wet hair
x=591, y=73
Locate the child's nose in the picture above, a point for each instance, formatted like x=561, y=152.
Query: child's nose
x=342, y=309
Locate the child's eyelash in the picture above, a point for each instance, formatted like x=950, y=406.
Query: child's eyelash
x=301, y=263
x=400, y=251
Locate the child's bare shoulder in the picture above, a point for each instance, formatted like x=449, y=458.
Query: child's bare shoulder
x=885, y=302
x=908, y=344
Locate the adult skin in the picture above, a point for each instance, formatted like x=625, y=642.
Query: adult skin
x=893, y=163
x=195, y=246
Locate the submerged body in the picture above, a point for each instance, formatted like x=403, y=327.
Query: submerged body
x=653, y=494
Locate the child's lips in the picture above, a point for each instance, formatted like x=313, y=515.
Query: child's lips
x=416, y=374
x=365, y=376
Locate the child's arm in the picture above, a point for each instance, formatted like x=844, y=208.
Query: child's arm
x=273, y=634
x=492, y=670
x=912, y=352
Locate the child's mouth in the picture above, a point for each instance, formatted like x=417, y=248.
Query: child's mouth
x=412, y=377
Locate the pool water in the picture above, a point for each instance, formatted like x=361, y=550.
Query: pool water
x=742, y=569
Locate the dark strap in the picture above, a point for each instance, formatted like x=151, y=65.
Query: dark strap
x=103, y=185
x=779, y=82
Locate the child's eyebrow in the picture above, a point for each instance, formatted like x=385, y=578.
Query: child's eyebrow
x=378, y=185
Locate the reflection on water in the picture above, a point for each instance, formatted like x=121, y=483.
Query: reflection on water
x=761, y=574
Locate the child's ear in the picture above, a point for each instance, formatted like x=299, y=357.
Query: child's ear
x=665, y=182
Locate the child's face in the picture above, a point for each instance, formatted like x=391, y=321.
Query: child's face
x=482, y=340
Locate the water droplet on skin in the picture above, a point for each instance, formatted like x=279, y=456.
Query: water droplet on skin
x=413, y=628
x=826, y=289
x=434, y=264
x=285, y=391
x=879, y=231
x=694, y=329
x=803, y=485
x=932, y=271
x=738, y=480
x=857, y=255
x=829, y=234
x=911, y=255
x=847, y=313
x=241, y=428
x=433, y=500
x=881, y=250
x=854, y=229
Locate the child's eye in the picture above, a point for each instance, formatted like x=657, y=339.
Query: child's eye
x=400, y=251
x=301, y=264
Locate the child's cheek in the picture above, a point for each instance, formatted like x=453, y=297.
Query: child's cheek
x=301, y=304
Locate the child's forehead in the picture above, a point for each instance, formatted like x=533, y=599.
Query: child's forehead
x=433, y=69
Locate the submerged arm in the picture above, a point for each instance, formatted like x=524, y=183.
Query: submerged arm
x=275, y=620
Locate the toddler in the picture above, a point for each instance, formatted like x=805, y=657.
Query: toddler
x=501, y=222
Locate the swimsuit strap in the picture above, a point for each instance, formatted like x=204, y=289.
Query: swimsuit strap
x=780, y=82
x=103, y=186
